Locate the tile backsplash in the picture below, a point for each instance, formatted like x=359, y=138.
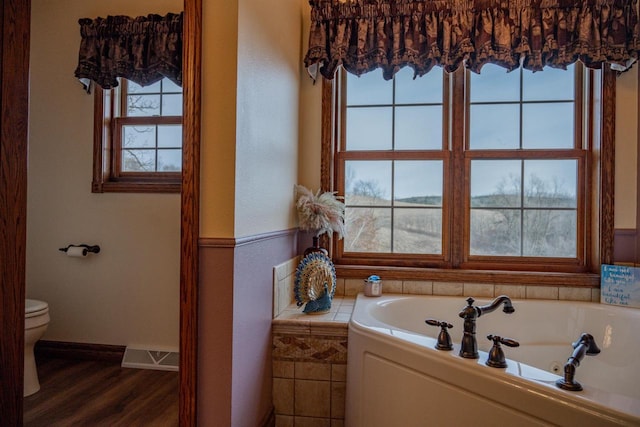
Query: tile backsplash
x=284, y=280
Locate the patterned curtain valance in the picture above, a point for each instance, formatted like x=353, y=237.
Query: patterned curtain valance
x=143, y=49
x=363, y=35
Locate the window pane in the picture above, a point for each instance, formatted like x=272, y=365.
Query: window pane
x=494, y=127
x=369, y=89
x=417, y=231
x=367, y=230
x=550, y=233
x=138, y=160
x=496, y=183
x=136, y=88
x=368, y=183
x=172, y=105
x=170, y=87
x=143, y=105
x=484, y=85
x=169, y=160
x=418, y=128
x=418, y=183
x=422, y=90
x=369, y=128
x=548, y=125
x=138, y=136
x=549, y=84
x=170, y=136
x=550, y=183
x=495, y=232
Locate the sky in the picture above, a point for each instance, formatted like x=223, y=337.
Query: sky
x=548, y=125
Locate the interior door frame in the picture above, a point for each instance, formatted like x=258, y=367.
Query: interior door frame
x=15, y=16
x=190, y=212
x=15, y=20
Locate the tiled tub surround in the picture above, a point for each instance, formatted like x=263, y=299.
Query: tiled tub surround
x=310, y=364
x=310, y=351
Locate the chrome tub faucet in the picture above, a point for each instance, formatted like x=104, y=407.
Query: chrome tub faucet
x=469, y=347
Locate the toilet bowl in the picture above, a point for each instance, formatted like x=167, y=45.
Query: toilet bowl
x=35, y=323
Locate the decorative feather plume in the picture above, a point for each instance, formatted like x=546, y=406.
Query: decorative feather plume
x=320, y=212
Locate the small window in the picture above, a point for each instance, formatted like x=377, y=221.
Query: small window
x=138, y=141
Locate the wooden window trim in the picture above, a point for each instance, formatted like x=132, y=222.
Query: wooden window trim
x=107, y=177
x=598, y=241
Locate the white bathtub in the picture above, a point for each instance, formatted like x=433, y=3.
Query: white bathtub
x=395, y=376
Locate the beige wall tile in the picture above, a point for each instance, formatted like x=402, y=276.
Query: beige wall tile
x=338, y=372
x=542, y=292
x=312, y=422
x=595, y=295
x=284, y=421
x=312, y=398
x=447, y=288
x=342, y=317
x=337, y=399
x=478, y=290
x=512, y=291
x=283, y=394
x=353, y=286
x=339, y=287
x=312, y=371
x=417, y=287
x=392, y=286
x=283, y=369
x=574, y=294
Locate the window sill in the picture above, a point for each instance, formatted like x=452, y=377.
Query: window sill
x=136, y=187
x=587, y=280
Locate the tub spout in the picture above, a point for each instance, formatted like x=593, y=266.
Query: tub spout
x=469, y=347
x=586, y=345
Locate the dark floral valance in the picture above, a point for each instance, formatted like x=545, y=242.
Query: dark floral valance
x=363, y=35
x=143, y=49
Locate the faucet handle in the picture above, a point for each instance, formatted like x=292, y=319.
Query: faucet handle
x=444, y=339
x=496, y=357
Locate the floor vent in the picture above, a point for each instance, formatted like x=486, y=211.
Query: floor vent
x=150, y=359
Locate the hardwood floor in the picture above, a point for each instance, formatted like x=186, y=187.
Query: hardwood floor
x=97, y=393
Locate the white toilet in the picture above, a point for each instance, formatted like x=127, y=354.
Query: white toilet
x=35, y=323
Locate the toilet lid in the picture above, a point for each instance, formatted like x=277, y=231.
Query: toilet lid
x=33, y=307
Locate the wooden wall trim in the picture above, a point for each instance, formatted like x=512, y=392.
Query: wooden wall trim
x=637, y=240
x=15, y=18
x=607, y=164
x=230, y=242
x=80, y=351
x=190, y=213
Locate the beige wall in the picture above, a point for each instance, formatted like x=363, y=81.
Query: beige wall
x=267, y=115
x=129, y=293
x=310, y=115
x=626, y=149
x=219, y=92
x=250, y=116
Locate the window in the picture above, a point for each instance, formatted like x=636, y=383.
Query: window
x=462, y=171
x=138, y=141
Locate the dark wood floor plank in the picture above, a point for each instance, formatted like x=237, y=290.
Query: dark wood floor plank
x=94, y=393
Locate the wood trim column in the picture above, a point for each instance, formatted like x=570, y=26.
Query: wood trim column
x=15, y=18
x=637, y=240
x=607, y=164
x=190, y=213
